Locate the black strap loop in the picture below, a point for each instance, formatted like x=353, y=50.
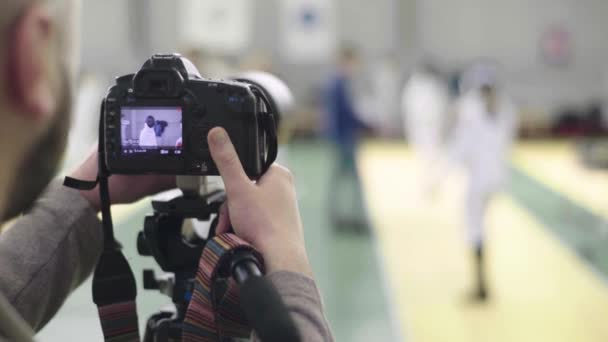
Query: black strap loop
x=271, y=140
x=80, y=184
x=113, y=280
x=268, y=124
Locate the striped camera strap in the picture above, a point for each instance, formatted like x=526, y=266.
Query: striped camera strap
x=214, y=313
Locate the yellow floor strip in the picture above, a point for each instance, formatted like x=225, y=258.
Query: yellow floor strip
x=541, y=291
x=557, y=165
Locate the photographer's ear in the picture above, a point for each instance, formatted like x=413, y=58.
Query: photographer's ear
x=29, y=74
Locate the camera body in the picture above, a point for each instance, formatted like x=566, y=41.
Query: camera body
x=157, y=120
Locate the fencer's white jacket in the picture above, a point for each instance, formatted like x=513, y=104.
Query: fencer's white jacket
x=147, y=136
x=481, y=142
x=424, y=104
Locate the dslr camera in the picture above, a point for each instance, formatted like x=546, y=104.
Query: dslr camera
x=157, y=120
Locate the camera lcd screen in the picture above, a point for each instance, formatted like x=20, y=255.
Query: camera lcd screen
x=151, y=131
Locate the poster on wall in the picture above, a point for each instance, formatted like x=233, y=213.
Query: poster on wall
x=223, y=27
x=556, y=47
x=307, y=30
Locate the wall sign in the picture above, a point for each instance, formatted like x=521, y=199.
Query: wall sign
x=307, y=30
x=220, y=26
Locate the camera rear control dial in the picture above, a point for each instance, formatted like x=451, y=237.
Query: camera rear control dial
x=200, y=111
x=188, y=100
x=198, y=139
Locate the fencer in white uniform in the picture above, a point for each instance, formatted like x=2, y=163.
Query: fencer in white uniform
x=481, y=140
x=147, y=136
x=424, y=105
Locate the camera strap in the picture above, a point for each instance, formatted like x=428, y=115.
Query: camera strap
x=268, y=126
x=114, y=287
x=214, y=312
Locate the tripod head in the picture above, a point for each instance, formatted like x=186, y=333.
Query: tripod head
x=172, y=236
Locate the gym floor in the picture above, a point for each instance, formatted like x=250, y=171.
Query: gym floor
x=407, y=278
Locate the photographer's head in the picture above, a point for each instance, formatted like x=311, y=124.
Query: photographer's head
x=38, y=62
x=150, y=121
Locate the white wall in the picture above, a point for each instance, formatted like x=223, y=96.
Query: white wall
x=118, y=35
x=456, y=32
x=106, y=40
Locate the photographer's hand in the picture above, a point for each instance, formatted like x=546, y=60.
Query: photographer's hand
x=123, y=189
x=264, y=213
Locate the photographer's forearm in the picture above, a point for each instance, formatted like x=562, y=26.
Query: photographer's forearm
x=285, y=256
x=59, y=242
x=303, y=301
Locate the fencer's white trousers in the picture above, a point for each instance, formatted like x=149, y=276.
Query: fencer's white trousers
x=477, y=199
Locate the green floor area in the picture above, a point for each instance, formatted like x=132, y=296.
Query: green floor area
x=346, y=265
x=576, y=226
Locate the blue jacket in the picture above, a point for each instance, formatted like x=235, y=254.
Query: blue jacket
x=343, y=122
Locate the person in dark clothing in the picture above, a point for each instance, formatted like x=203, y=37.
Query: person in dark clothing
x=344, y=126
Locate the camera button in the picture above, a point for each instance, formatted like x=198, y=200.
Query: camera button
x=188, y=99
x=235, y=107
x=200, y=111
x=198, y=167
x=204, y=127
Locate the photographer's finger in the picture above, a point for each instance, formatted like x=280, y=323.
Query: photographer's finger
x=226, y=160
x=276, y=173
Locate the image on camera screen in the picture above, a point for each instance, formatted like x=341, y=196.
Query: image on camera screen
x=151, y=131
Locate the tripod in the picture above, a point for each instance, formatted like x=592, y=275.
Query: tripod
x=176, y=251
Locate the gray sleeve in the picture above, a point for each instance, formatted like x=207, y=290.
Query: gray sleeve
x=48, y=252
x=303, y=300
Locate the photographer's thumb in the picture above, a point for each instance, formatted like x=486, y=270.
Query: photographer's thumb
x=227, y=162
